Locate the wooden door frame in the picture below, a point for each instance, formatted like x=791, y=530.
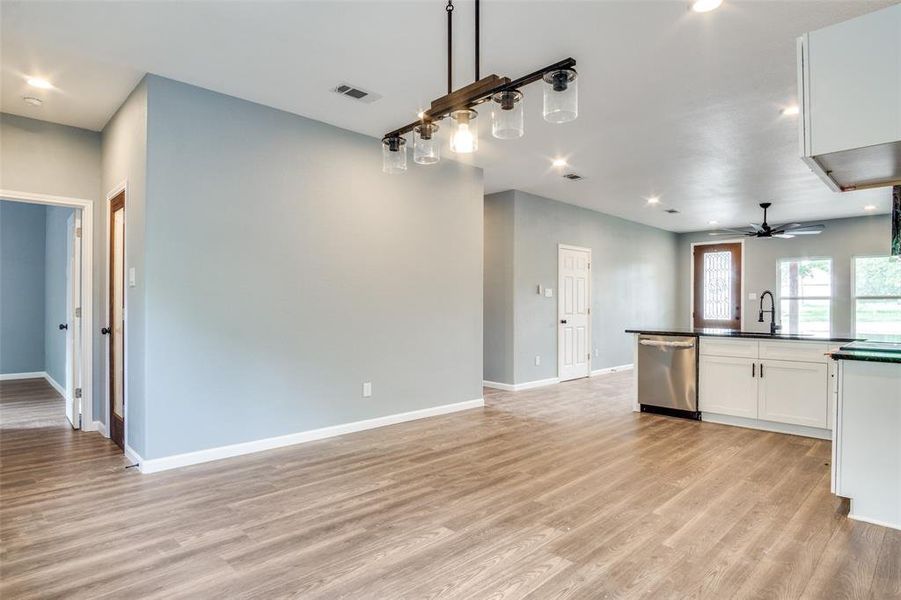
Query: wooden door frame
x=121, y=188
x=87, y=292
x=560, y=299
x=691, y=279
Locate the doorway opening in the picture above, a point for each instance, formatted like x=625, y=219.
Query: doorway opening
x=573, y=312
x=60, y=271
x=717, y=285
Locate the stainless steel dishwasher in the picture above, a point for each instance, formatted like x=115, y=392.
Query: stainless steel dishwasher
x=668, y=375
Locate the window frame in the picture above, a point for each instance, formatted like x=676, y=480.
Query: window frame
x=830, y=298
x=855, y=297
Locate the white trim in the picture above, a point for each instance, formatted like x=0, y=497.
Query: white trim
x=136, y=459
x=518, y=387
x=691, y=277
x=608, y=370
x=802, y=430
x=560, y=302
x=31, y=375
x=98, y=426
x=87, y=287
x=210, y=454
x=55, y=385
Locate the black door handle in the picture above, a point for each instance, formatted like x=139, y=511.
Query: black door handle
x=105, y=331
x=563, y=321
x=63, y=326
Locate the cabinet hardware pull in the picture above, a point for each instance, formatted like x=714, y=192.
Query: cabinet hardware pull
x=761, y=370
x=753, y=369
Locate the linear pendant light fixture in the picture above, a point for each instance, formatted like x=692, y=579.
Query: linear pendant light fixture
x=561, y=104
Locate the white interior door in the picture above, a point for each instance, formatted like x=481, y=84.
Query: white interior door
x=73, y=316
x=574, y=313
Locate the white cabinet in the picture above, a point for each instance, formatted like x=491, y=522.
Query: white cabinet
x=849, y=80
x=727, y=386
x=771, y=384
x=793, y=392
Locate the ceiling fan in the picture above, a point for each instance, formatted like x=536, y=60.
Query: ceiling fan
x=765, y=230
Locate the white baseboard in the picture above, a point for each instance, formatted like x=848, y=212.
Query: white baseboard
x=135, y=458
x=802, y=430
x=597, y=372
x=851, y=515
x=98, y=426
x=32, y=375
x=55, y=384
x=516, y=387
x=154, y=465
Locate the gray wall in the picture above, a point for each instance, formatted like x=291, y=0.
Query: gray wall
x=633, y=282
x=21, y=287
x=841, y=240
x=45, y=158
x=56, y=265
x=124, y=159
x=283, y=269
x=498, y=284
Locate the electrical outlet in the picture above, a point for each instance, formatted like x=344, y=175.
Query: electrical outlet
x=537, y=361
x=752, y=296
x=367, y=389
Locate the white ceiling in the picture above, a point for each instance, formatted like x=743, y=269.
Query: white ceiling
x=673, y=103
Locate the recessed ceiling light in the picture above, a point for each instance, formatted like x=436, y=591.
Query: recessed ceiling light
x=559, y=162
x=32, y=101
x=789, y=111
x=654, y=200
x=420, y=114
x=39, y=83
x=705, y=5
x=712, y=222
x=870, y=207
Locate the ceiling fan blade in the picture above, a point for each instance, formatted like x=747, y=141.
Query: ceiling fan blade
x=784, y=236
x=727, y=231
x=757, y=226
x=789, y=226
x=806, y=231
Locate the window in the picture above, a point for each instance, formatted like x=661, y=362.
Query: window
x=805, y=295
x=877, y=297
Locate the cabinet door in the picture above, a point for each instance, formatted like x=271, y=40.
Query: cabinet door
x=794, y=392
x=727, y=386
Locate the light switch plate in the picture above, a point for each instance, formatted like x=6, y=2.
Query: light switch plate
x=537, y=361
x=367, y=389
x=548, y=292
x=752, y=296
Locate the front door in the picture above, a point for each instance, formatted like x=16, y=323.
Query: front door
x=116, y=327
x=574, y=313
x=717, y=286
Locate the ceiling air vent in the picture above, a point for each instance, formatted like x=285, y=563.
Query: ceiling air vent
x=356, y=93
x=572, y=176
x=672, y=211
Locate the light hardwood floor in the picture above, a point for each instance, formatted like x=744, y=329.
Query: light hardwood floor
x=558, y=492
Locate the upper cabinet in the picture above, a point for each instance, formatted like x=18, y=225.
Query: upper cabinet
x=849, y=81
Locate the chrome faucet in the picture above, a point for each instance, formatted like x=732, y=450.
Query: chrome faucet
x=773, y=327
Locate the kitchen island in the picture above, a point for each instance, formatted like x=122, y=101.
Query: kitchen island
x=866, y=448
x=780, y=382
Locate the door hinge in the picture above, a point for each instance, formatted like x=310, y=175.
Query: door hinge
x=78, y=312
x=78, y=232
x=78, y=392
x=589, y=311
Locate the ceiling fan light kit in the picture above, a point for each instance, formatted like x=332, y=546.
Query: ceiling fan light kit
x=561, y=105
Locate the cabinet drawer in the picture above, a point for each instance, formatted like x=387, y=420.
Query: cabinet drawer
x=722, y=347
x=797, y=351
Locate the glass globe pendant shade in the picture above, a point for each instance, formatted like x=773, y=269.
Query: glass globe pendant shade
x=465, y=137
x=506, y=115
x=561, y=96
x=425, y=145
x=394, y=155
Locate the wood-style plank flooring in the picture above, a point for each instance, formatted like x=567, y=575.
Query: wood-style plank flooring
x=558, y=492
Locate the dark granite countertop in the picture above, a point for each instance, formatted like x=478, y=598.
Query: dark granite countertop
x=760, y=335
x=867, y=355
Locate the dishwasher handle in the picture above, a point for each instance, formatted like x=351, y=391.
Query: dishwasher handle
x=666, y=344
